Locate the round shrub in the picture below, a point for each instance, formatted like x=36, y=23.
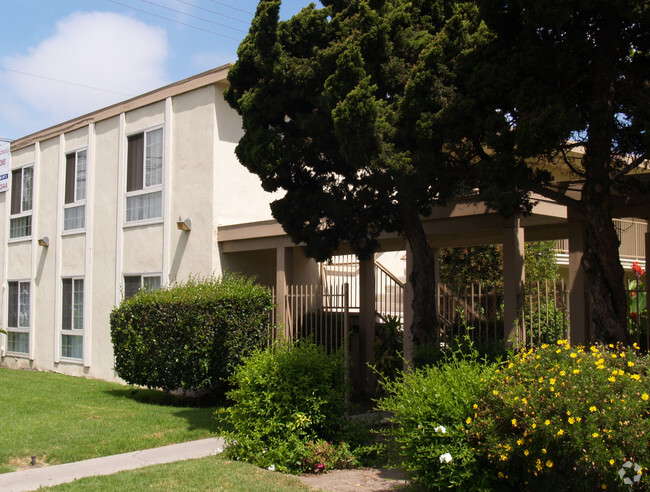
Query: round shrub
x=431, y=408
x=567, y=418
x=189, y=335
x=285, y=398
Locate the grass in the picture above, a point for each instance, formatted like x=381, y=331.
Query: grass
x=60, y=419
x=205, y=474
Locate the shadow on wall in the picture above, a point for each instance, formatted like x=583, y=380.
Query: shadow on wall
x=178, y=256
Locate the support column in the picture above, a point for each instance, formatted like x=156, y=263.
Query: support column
x=513, y=280
x=283, y=277
x=647, y=281
x=366, y=323
x=408, y=312
x=580, y=331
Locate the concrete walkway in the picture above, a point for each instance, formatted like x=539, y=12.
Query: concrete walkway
x=54, y=475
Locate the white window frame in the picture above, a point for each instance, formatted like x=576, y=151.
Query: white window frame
x=142, y=277
x=24, y=213
x=78, y=201
x=146, y=190
x=19, y=328
x=73, y=331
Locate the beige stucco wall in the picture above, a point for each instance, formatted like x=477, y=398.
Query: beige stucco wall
x=203, y=181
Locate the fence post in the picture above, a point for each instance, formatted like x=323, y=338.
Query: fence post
x=346, y=338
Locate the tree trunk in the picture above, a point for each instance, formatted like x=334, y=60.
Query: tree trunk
x=425, y=327
x=606, y=291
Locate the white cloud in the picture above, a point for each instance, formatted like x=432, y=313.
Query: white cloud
x=95, y=49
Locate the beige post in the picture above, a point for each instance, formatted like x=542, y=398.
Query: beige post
x=513, y=279
x=408, y=312
x=283, y=275
x=579, y=317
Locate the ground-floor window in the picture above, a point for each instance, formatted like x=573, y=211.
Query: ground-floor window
x=18, y=318
x=72, y=323
x=133, y=283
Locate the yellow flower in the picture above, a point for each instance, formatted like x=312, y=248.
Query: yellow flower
x=595, y=434
x=614, y=356
x=552, y=381
x=645, y=396
x=534, y=425
x=558, y=351
x=549, y=464
x=562, y=373
x=469, y=420
x=543, y=450
x=635, y=377
x=526, y=452
x=538, y=465
x=573, y=355
x=520, y=442
x=571, y=420
x=547, y=422
x=578, y=419
x=495, y=392
x=475, y=406
x=592, y=408
x=611, y=379
x=560, y=432
x=514, y=422
x=630, y=363
x=611, y=462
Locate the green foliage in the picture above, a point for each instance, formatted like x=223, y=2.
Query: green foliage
x=484, y=264
x=389, y=344
x=285, y=399
x=189, y=335
x=321, y=456
x=547, y=323
x=431, y=408
x=565, y=418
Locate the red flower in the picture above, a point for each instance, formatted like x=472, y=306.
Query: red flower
x=633, y=315
x=638, y=271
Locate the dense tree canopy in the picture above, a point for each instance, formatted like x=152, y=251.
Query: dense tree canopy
x=368, y=113
x=332, y=106
x=565, y=84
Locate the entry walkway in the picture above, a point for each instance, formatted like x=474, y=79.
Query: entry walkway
x=68, y=472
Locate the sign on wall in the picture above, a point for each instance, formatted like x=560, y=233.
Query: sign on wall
x=5, y=156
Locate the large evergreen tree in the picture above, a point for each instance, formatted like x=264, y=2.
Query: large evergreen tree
x=342, y=109
x=564, y=84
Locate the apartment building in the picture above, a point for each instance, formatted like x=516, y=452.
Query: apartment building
x=127, y=197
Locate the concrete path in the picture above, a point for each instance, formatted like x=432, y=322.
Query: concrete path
x=54, y=475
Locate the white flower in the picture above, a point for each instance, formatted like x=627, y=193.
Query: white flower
x=271, y=468
x=441, y=429
x=445, y=458
x=218, y=451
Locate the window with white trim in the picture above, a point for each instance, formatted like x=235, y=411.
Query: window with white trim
x=20, y=220
x=72, y=322
x=144, y=176
x=18, y=318
x=74, y=210
x=134, y=283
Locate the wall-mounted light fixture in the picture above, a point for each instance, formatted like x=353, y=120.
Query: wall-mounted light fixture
x=184, y=224
x=44, y=241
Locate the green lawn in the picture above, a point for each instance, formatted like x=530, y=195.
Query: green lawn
x=60, y=419
x=206, y=474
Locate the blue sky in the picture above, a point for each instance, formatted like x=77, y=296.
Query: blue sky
x=64, y=58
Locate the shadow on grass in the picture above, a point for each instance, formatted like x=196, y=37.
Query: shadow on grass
x=198, y=411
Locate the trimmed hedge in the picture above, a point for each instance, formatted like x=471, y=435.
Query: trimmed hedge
x=189, y=335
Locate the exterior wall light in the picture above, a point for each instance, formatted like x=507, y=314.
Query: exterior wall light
x=44, y=241
x=184, y=224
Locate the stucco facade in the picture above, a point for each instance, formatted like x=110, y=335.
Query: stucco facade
x=92, y=214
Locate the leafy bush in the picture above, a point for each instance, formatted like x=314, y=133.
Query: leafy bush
x=286, y=398
x=431, y=408
x=564, y=418
x=389, y=344
x=321, y=456
x=189, y=335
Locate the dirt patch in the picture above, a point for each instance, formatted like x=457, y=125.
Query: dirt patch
x=25, y=463
x=366, y=479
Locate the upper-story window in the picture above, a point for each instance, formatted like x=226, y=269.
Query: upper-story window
x=20, y=221
x=74, y=211
x=144, y=176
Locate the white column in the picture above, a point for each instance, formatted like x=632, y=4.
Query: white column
x=119, y=223
x=167, y=189
x=88, y=272
x=366, y=322
x=283, y=277
x=408, y=312
x=35, y=236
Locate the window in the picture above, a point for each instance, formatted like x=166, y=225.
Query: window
x=133, y=283
x=144, y=176
x=18, y=318
x=74, y=211
x=20, y=221
x=72, y=326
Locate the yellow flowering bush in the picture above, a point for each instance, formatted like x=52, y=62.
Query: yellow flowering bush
x=566, y=418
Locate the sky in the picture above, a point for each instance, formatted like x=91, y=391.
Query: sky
x=64, y=58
